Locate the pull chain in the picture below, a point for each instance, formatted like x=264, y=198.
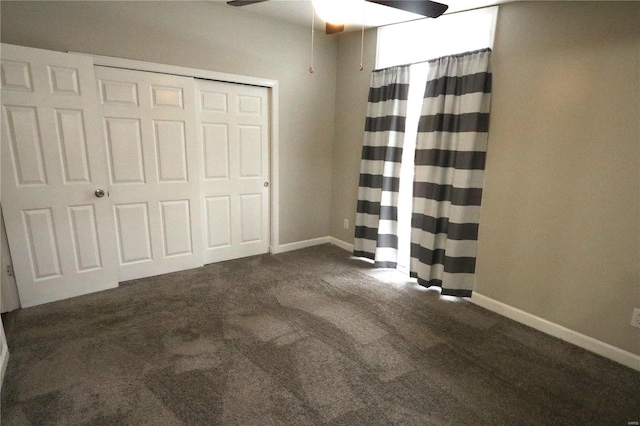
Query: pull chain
x=362, y=40
x=313, y=30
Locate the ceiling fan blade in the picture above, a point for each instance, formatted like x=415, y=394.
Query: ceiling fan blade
x=333, y=28
x=427, y=8
x=243, y=2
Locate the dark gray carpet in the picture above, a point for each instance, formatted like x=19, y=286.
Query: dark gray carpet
x=310, y=337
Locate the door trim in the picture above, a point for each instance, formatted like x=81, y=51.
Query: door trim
x=274, y=96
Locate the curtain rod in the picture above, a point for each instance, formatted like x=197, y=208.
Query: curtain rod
x=471, y=52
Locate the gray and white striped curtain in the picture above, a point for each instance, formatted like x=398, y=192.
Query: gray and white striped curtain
x=376, y=228
x=449, y=172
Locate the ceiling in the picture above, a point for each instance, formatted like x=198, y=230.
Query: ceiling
x=299, y=11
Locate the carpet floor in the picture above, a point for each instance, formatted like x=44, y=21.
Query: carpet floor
x=311, y=337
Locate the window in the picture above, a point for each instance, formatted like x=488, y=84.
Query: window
x=425, y=39
x=413, y=43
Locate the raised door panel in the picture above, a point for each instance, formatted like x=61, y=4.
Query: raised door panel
x=85, y=237
x=176, y=228
x=118, y=93
x=214, y=101
x=64, y=80
x=250, y=218
x=123, y=137
x=16, y=75
x=23, y=134
x=43, y=244
x=171, y=151
x=215, y=138
x=73, y=145
x=250, y=151
x=250, y=105
x=134, y=239
x=172, y=97
x=218, y=219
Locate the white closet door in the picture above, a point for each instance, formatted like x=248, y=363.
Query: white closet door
x=233, y=123
x=149, y=129
x=52, y=164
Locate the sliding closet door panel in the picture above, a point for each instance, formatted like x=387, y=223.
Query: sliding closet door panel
x=233, y=123
x=53, y=161
x=149, y=131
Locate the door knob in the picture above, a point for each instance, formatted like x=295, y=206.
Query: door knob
x=100, y=193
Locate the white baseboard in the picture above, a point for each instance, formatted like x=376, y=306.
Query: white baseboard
x=589, y=343
x=283, y=248
x=343, y=245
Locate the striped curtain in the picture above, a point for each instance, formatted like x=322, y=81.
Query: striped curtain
x=377, y=215
x=449, y=172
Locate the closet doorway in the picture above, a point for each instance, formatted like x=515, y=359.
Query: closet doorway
x=116, y=169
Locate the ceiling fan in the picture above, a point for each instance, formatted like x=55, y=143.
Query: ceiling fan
x=430, y=9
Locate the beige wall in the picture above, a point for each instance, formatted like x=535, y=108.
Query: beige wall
x=560, y=228
x=351, y=109
x=219, y=38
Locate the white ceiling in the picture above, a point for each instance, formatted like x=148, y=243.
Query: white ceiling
x=299, y=12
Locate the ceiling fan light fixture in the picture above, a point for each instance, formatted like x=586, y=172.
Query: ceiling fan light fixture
x=339, y=11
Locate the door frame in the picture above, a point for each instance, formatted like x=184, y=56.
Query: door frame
x=274, y=95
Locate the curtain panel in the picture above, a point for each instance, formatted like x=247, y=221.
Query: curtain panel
x=449, y=172
x=376, y=230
